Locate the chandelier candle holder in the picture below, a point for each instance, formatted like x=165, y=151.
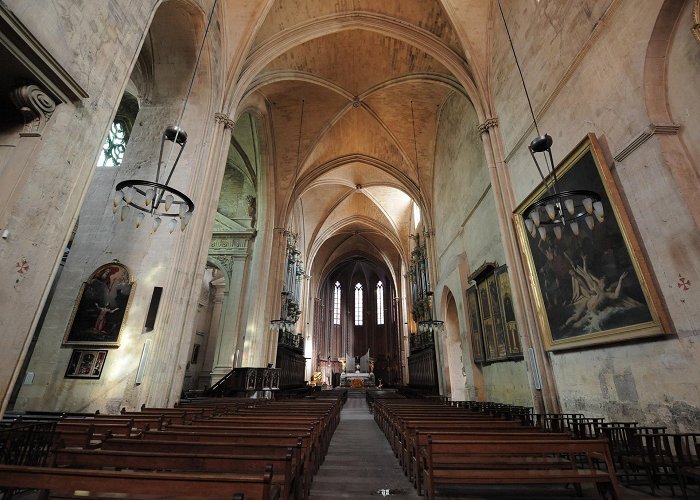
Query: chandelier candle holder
x=430, y=325
x=559, y=209
x=159, y=200
x=284, y=323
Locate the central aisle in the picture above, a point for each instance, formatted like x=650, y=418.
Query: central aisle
x=360, y=463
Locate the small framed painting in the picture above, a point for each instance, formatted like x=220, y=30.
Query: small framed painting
x=86, y=363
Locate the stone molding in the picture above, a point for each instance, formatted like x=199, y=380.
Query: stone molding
x=226, y=249
x=222, y=243
x=223, y=118
x=226, y=262
x=488, y=124
x=31, y=55
x=36, y=107
x=651, y=130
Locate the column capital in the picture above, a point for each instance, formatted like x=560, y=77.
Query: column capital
x=488, y=123
x=36, y=107
x=223, y=118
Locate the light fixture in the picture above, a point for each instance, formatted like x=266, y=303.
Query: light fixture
x=157, y=198
x=284, y=323
x=557, y=209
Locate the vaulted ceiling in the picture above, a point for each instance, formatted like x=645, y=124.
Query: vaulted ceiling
x=354, y=91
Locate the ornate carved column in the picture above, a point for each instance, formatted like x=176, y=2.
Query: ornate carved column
x=547, y=398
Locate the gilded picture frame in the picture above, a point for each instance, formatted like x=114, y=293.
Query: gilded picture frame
x=594, y=288
x=102, y=307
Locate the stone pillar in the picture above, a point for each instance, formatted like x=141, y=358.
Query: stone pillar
x=546, y=399
x=230, y=251
x=219, y=286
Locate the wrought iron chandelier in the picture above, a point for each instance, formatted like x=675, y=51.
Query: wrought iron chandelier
x=430, y=325
x=557, y=209
x=157, y=198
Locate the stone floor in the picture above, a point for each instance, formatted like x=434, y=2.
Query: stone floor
x=361, y=465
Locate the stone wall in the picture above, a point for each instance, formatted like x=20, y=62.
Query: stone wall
x=466, y=237
x=599, y=80
x=101, y=238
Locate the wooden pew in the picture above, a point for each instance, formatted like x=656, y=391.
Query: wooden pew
x=518, y=462
x=416, y=465
x=262, y=446
x=160, y=484
x=283, y=473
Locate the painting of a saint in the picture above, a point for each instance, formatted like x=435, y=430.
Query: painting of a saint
x=591, y=287
x=101, y=307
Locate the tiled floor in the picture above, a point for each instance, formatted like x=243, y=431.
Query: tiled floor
x=361, y=465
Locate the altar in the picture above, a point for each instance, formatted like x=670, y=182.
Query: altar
x=357, y=379
x=363, y=373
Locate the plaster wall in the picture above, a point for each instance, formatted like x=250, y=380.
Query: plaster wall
x=467, y=236
x=599, y=88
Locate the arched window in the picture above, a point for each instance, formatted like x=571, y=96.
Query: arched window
x=358, y=305
x=336, y=304
x=380, y=303
x=113, y=149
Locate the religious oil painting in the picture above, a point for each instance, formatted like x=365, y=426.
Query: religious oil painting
x=475, y=324
x=499, y=330
x=487, y=323
x=86, y=363
x=505, y=295
x=593, y=287
x=101, y=308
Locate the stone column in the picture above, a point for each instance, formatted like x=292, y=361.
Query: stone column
x=546, y=399
x=219, y=286
x=230, y=251
x=171, y=349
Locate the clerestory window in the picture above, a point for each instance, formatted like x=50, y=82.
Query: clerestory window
x=336, y=304
x=358, y=304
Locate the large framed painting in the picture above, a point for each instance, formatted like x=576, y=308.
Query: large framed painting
x=475, y=324
x=513, y=347
x=86, y=363
x=101, y=309
x=595, y=287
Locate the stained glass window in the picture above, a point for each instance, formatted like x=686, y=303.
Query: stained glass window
x=113, y=148
x=358, y=304
x=336, y=304
x=380, y=303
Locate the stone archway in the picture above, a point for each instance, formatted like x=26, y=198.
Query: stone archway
x=453, y=363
